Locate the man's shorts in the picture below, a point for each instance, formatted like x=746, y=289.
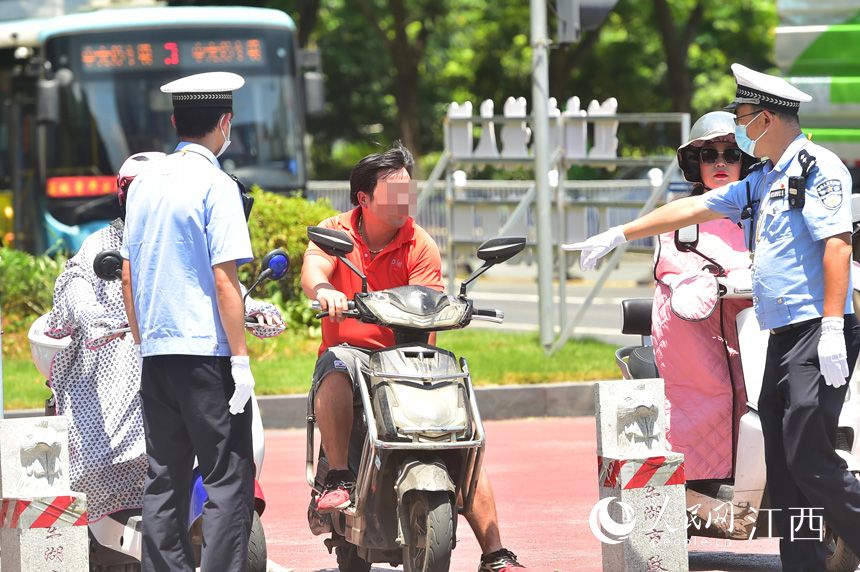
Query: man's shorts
x=341, y=358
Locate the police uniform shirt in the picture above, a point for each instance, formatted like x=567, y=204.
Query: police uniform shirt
x=183, y=217
x=788, y=270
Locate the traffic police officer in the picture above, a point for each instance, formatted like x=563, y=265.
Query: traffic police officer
x=185, y=235
x=795, y=209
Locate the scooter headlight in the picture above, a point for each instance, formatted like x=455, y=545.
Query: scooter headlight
x=394, y=316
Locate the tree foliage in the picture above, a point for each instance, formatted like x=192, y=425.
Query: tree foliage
x=393, y=66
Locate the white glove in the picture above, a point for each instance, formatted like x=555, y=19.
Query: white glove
x=244, y=380
x=139, y=357
x=597, y=246
x=831, y=352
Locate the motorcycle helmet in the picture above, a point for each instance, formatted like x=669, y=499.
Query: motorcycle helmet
x=709, y=126
x=130, y=169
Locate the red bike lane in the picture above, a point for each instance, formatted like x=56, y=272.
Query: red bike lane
x=544, y=476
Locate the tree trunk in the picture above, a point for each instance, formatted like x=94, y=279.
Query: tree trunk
x=566, y=58
x=676, y=44
x=309, y=11
x=406, y=57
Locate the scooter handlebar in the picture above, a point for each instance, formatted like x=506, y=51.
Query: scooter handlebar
x=495, y=316
x=737, y=284
x=350, y=313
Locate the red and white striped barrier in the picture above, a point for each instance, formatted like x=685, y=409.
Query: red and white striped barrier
x=43, y=512
x=639, y=473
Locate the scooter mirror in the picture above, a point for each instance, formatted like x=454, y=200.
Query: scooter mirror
x=687, y=238
x=108, y=265
x=332, y=242
x=336, y=243
x=500, y=249
x=276, y=264
x=492, y=252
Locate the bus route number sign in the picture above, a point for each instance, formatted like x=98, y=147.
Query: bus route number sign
x=139, y=56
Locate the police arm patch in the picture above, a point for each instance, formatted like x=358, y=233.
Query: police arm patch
x=830, y=193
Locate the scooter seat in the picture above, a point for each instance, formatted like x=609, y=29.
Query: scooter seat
x=642, y=363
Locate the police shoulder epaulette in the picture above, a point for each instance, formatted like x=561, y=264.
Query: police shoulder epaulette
x=758, y=165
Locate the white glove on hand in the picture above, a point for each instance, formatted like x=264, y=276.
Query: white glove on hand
x=597, y=246
x=241, y=370
x=139, y=357
x=831, y=352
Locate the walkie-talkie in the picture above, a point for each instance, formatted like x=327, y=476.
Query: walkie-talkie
x=247, y=198
x=797, y=185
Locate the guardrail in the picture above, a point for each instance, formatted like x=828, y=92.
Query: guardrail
x=484, y=209
x=461, y=216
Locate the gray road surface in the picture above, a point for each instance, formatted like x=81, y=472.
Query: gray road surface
x=514, y=290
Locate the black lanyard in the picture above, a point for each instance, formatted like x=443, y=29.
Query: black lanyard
x=749, y=212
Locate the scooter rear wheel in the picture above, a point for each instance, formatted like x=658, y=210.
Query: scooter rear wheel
x=840, y=558
x=257, y=553
x=431, y=524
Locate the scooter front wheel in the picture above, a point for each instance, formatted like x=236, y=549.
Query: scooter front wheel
x=348, y=560
x=431, y=524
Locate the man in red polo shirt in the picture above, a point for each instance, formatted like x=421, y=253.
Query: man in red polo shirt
x=391, y=250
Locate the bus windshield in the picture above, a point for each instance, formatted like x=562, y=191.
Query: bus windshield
x=111, y=106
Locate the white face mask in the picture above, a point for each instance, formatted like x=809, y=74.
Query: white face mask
x=226, y=138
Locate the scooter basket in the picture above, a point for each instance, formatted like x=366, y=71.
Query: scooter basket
x=426, y=411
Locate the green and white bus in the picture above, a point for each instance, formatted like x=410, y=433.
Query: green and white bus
x=818, y=50
x=81, y=93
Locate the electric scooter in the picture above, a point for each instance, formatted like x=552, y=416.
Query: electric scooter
x=116, y=539
x=417, y=440
x=740, y=503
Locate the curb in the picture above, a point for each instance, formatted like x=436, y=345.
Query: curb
x=494, y=402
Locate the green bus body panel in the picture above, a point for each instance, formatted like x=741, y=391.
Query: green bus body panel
x=834, y=52
x=845, y=89
x=833, y=135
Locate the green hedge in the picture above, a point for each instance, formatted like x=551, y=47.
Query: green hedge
x=277, y=221
x=26, y=286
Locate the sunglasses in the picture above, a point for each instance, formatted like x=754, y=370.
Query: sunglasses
x=730, y=156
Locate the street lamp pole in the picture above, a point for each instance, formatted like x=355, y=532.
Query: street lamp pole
x=540, y=134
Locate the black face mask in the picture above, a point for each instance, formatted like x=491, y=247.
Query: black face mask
x=247, y=199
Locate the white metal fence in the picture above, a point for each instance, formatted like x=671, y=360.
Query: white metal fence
x=483, y=208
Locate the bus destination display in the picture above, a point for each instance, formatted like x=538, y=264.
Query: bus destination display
x=137, y=56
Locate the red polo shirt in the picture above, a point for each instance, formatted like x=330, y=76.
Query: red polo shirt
x=411, y=258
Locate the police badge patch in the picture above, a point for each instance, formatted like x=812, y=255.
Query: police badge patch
x=830, y=193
